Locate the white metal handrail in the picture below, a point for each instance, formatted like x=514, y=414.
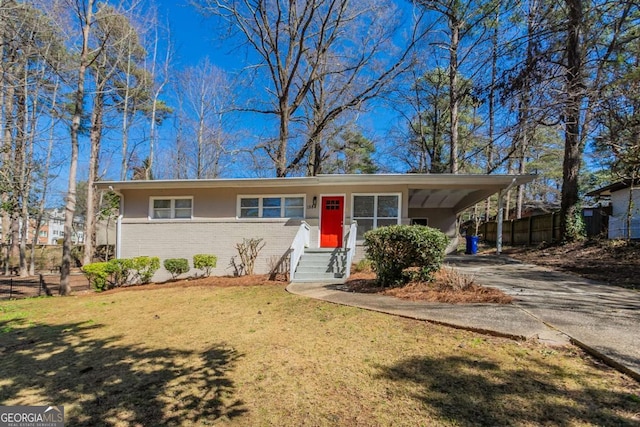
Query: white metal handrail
x=351, y=246
x=300, y=241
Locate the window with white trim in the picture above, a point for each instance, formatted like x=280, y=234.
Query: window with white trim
x=271, y=207
x=171, y=208
x=375, y=210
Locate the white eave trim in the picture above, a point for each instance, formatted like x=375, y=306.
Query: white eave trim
x=413, y=180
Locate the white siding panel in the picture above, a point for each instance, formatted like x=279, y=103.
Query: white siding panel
x=618, y=219
x=184, y=239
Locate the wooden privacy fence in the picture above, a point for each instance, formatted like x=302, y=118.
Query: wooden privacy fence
x=531, y=230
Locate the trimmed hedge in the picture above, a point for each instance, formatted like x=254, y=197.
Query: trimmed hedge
x=97, y=274
x=120, y=272
x=145, y=267
x=395, y=249
x=176, y=266
x=205, y=262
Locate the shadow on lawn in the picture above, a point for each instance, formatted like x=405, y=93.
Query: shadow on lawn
x=469, y=392
x=104, y=382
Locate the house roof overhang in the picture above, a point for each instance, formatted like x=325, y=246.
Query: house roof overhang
x=451, y=191
x=612, y=188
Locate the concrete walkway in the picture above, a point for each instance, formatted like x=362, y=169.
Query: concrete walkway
x=552, y=307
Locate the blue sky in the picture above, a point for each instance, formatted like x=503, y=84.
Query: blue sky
x=193, y=36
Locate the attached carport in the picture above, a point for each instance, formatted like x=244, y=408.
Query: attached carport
x=457, y=193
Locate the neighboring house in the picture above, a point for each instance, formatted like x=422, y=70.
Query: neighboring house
x=52, y=228
x=618, y=194
x=54, y=221
x=298, y=218
x=106, y=232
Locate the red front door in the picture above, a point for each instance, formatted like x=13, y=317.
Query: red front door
x=331, y=221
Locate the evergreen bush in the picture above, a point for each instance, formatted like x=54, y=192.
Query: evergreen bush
x=98, y=275
x=120, y=272
x=401, y=253
x=205, y=262
x=145, y=267
x=176, y=266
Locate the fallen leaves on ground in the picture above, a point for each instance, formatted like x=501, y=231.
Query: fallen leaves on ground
x=447, y=286
x=614, y=262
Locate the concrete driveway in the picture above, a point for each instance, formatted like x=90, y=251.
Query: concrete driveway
x=603, y=319
x=551, y=307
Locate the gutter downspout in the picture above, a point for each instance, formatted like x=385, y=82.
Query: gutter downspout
x=119, y=237
x=501, y=194
x=119, y=223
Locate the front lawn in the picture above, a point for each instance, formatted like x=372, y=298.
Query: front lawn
x=256, y=355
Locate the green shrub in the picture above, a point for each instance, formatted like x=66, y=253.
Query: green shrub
x=176, y=266
x=205, y=262
x=395, y=249
x=145, y=267
x=97, y=274
x=119, y=271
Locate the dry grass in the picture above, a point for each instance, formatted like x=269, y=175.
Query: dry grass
x=258, y=356
x=448, y=286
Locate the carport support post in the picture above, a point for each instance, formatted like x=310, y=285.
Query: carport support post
x=499, y=223
x=501, y=215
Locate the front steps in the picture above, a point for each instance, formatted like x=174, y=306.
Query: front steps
x=321, y=265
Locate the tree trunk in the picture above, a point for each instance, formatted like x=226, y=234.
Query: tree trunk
x=154, y=106
x=454, y=98
x=520, y=201
x=492, y=102
x=630, y=207
x=4, y=149
x=8, y=94
x=124, y=165
x=45, y=184
x=281, y=153
x=95, y=136
x=19, y=190
x=315, y=156
x=70, y=206
x=200, y=137
x=573, y=147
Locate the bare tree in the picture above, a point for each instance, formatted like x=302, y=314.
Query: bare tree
x=588, y=52
x=424, y=140
x=133, y=92
x=490, y=149
x=159, y=74
x=204, y=95
x=84, y=13
x=44, y=173
x=113, y=33
x=463, y=18
x=305, y=45
x=425, y=145
x=31, y=49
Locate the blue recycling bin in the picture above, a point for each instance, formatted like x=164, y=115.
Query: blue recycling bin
x=472, y=245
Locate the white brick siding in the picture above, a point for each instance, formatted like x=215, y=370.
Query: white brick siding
x=183, y=239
